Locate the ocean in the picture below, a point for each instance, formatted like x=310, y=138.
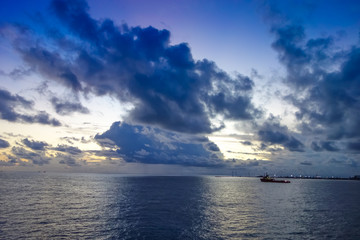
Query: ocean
x=100, y=206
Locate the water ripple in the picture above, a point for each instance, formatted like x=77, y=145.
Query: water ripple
x=90, y=206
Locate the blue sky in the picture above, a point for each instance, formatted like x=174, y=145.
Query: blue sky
x=180, y=87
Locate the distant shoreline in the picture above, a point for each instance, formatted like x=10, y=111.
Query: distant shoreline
x=323, y=178
x=305, y=177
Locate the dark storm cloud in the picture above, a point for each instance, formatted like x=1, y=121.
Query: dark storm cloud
x=326, y=82
x=248, y=143
x=51, y=65
x=353, y=146
x=41, y=117
x=37, y=158
x=4, y=143
x=316, y=147
x=324, y=145
x=271, y=132
x=35, y=145
x=48, y=62
x=212, y=147
x=74, y=15
x=9, y=104
x=290, y=54
x=66, y=108
x=154, y=146
x=69, y=155
x=67, y=149
x=67, y=160
x=167, y=87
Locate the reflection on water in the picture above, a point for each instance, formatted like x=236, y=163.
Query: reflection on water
x=236, y=208
x=73, y=206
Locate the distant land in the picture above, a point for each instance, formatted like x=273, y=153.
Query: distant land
x=355, y=177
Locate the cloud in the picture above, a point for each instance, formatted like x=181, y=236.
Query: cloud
x=10, y=103
x=326, y=81
x=37, y=158
x=74, y=15
x=42, y=117
x=67, y=160
x=50, y=64
x=109, y=154
x=323, y=80
x=39, y=154
x=212, y=147
x=248, y=143
x=69, y=155
x=349, y=162
x=17, y=73
x=11, y=161
x=353, y=146
x=135, y=143
x=70, y=140
x=248, y=163
x=272, y=132
x=34, y=145
x=305, y=163
x=67, y=108
x=4, y=143
x=67, y=149
x=165, y=85
x=324, y=145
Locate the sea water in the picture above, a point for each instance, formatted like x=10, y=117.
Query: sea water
x=96, y=206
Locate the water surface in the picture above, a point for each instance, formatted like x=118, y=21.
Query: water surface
x=95, y=206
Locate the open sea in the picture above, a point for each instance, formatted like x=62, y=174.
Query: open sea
x=99, y=206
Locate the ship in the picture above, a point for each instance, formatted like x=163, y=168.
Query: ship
x=267, y=178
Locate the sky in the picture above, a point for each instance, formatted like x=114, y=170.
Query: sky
x=180, y=87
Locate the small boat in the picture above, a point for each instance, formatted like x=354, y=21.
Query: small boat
x=267, y=178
